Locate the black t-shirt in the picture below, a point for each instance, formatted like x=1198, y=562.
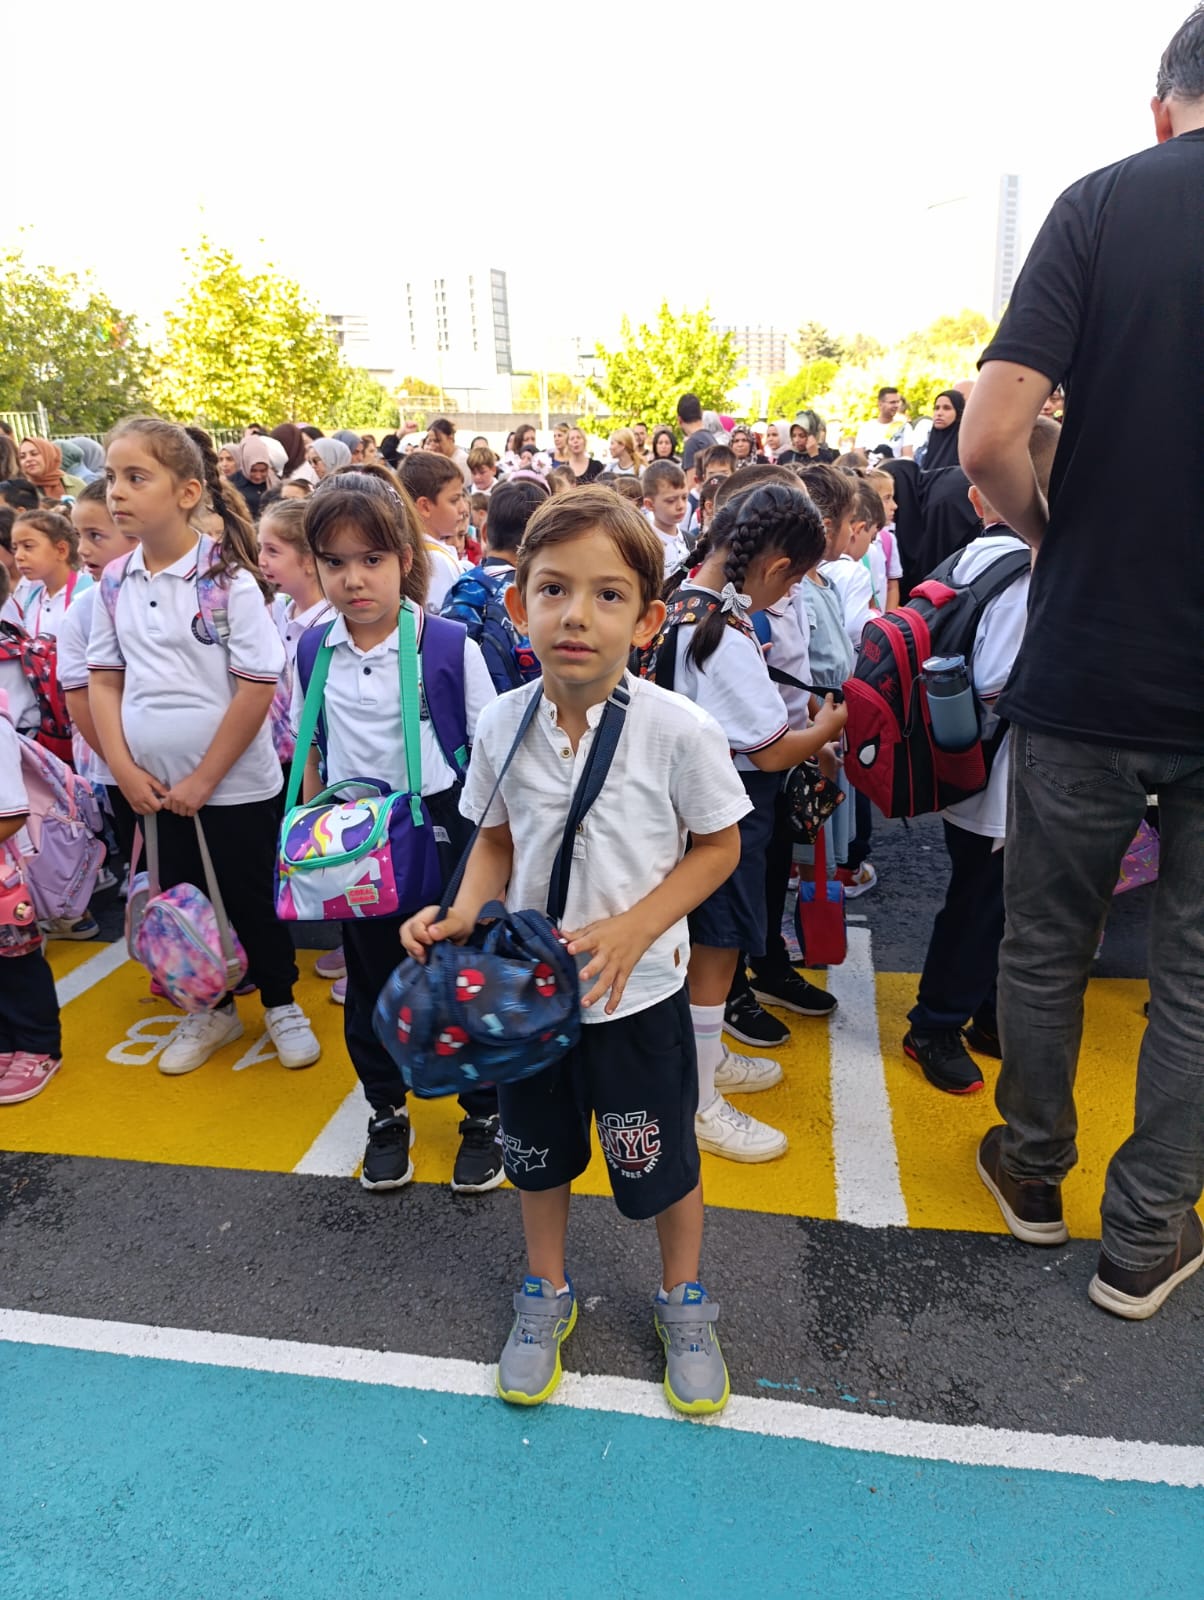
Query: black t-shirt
x=700, y=440
x=1111, y=304
x=592, y=471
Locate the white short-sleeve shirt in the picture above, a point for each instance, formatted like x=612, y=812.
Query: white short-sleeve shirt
x=671, y=775
x=853, y=584
x=22, y=702
x=362, y=707
x=789, y=651
x=444, y=570
x=14, y=802
x=72, y=667
x=178, y=682
x=734, y=686
x=293, y=623
x=44, y=613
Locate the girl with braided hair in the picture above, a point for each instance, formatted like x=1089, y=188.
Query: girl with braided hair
x=183, y=662
x=759, y=544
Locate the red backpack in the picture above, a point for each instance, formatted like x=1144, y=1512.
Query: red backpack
x=38, y=659
x=892, y=756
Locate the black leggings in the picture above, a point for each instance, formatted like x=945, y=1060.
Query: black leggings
x=242, y=842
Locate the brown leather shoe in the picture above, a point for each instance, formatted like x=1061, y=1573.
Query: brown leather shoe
x=1138, y=1295
x=1031, y=1209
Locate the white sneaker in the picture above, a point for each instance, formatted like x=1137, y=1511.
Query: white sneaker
x=724, y=1131
x=196, y=1039
x=289, y=1030
x=861, y=882
x=746, y=1074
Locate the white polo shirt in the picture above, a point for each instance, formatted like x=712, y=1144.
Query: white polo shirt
x=14, y=801
x=734, y=685
x=72, y=667
x=178, y=681
x=362, y=705
x=789, y=651
x=854, y=585
x=671, y=775
x=44, y=613
x=445, y=568
x=293, y=623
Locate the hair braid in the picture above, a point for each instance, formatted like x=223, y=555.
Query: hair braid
x=237, y=547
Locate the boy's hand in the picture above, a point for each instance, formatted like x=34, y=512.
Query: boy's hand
x=424, y=929
x=829, y=762
x=616, y=945
x=145, y=793
x=188, y=796
x=832, y=717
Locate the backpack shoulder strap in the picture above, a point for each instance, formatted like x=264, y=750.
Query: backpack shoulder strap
x=111, y=580
x=442, y=651
x=212, y=592
x=313, y=668
x=990, y=582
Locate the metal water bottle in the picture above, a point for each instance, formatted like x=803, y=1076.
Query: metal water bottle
x=951, y=703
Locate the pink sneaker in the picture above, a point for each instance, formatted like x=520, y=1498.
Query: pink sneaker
x=330, y=964
x=338, y=991
x=26, y=1076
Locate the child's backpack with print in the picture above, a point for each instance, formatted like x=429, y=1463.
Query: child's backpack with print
x=892, y=755
x=476, y=600
x=38, y=660
x=213, y=608
x=687, y=607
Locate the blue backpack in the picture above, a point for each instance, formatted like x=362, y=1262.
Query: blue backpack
x=475, y=600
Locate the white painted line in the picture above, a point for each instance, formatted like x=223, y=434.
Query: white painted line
x=91, y=972
x=1121, y=1460
x=868, y=1190
x=339, y=1148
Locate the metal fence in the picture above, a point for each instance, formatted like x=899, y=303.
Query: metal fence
x=27, y=424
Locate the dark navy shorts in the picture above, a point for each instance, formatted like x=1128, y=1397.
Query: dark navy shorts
x=637, y=1077
x=733, y=918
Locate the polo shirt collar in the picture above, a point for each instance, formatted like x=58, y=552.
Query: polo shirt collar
x=185, y=567
x=337, y=633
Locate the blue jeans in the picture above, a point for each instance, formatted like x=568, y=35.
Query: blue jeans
x=1073, y=809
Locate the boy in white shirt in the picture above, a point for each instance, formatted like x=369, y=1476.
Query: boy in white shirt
x=665, y=501
x=439, y=497
x=587, y=590
x=957, y=986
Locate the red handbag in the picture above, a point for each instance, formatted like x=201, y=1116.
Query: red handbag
x=819, y=915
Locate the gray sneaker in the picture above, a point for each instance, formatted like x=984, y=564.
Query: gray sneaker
x=529, y=1368
x=696, y=1380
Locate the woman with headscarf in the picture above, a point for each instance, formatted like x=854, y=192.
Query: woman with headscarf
x=353, y=442
x=941, y=449
x=42, y=463
x=229, y=461
x=74, y=470
x=295, y=445
x=777, y=441
x=327, y=456
x=93, y=453
x=744, y=447
x=257, y=475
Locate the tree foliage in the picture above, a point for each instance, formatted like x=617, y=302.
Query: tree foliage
x=813, y=342
x=801, y=391
x=567, y=395
x=245, y=346
x=653, y=367
x=64, y=343
x=364, y=402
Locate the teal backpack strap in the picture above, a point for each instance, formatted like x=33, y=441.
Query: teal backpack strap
x=407, y=667
x=311, y=710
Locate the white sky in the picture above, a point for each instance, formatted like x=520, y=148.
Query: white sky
x=778, y=162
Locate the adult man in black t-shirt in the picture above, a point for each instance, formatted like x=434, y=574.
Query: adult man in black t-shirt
x=1107, y=696
x=689, y=420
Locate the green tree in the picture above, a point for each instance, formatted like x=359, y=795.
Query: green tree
x=654, y=367
x=364, y=402
x=64, y=343
x=566, y=394
x=246, y=347
x=801, y=391
x=814, y=343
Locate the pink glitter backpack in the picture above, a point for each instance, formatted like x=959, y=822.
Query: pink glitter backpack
x=182, y=937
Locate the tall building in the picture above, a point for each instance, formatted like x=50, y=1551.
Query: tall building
x=1007, y=241
x=455, y=332
x=762, y=350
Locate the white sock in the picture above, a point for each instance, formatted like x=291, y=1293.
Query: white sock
x=708, y=1030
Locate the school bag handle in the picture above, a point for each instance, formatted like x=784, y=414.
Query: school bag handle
x=589, y=787
x=232, y=960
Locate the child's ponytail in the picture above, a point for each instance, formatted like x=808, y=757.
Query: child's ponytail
x=237, y=549
x=771, y=518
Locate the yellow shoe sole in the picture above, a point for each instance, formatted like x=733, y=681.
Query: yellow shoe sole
x=516, y=1397
x=699, y=1408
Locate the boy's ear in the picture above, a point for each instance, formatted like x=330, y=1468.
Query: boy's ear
x=516, y=606
x=424, y=506
x=650, y=624
x=977, y=501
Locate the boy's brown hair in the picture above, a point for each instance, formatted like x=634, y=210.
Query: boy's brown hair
x=424, y=474
x=869, y=505
x=593, y=510
x=660, y=475
x=629, y=487
x=480, y=458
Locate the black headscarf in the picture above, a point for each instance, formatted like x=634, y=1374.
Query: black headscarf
x=941, y=450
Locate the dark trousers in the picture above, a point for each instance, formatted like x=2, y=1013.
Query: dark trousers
x=859, y=844
x=372, y=951
x=29, y=1007
x=777, y=881
x=958, y=981
x=125, y=821
x=242, y=843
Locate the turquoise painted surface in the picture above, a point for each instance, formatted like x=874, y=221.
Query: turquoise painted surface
x=140, y=1478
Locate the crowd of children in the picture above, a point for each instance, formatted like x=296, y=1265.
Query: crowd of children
x=721, y=596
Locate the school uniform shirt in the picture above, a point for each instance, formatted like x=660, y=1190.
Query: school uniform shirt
x=734, y=686
x=996, y=646
x=293, y=623
x=874, y=562
x=72, y=667
x=677, y=551
x=22, y=590
x=44, y=613
x=671, y=776
x=362, y=704
x=853, y=584
x=789, y=651
x=821, y=613
x=444, y=567
x=14, y=801
x=22, y=702
x=889, y=541
x=177, y=680
x=10, y=611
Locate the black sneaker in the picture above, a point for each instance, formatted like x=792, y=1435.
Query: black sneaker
x=944, y=1060
x=1031, y=1208
x=792, y=993
x=1137, y=1295
x=387, y=1163
x=744, y=1019
x=983, y=1041
x=479, y=1159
